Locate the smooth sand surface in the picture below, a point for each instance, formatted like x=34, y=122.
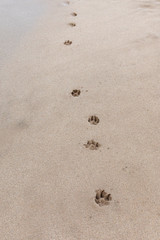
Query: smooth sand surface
x=48, y=178
x=16, y=18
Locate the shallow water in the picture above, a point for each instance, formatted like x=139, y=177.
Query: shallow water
x=16, y=18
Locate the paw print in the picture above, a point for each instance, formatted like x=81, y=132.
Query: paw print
x=67, y=42
x=76, y=93
x=92, y=145
x=74, y=14
x=102, y=198
x=93, y=120
x=72, y=24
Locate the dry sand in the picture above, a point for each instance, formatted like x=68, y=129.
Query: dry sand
x=48, y=178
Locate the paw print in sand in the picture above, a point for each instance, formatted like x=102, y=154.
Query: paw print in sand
x=93, y=120
x=74, y=14
x=72, y=24
x=102, y=198
x=67, y=42
x=76, y=93
x=92, y=145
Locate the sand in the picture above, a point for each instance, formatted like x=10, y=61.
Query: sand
x=48, y=172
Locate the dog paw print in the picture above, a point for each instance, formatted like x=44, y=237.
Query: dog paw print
x=102, y=198
x=146, y=5
x=74, y=14
x=92, y=145
x=93, y=120
x=76, y=93
x=67, y=42
x=72, y=24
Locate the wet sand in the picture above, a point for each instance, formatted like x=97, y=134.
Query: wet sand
x=17, y=17
x=58, y=147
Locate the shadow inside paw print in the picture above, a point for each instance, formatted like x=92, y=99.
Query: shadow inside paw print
x=92, y=145
x=93, y=120
x=102, y=198
x=76, y=93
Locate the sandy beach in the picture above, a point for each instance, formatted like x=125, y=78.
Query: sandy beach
x=58, y=147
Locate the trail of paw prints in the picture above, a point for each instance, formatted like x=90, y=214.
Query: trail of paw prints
x=102, y=198
x=68, y=42
x=73, y=24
